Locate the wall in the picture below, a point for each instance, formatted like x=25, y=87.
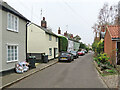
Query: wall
x=70, y=45
x=76, y=46
x=110, y=47
x=38, y=41
x=13, y=38
x=113, y=57
x=0, y=40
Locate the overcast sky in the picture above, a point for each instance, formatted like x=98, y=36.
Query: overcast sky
x=75, y=16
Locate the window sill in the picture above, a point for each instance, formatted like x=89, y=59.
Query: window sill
x=12, y=30
x=12, y=61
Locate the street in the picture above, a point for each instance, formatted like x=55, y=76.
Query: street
x=80, y=73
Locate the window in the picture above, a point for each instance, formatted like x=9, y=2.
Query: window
x=50, y=51
x=50, y=37
x=56, y=51
x=12, y=22
x=56, y=39
x=12, y=53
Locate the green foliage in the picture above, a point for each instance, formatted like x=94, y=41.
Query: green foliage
x=82, y=46
x=111, y=70
x=102, y=58
x=87, y=49
x=77, y=38
x=98, y=46
x=94, y=45
x=63, y=43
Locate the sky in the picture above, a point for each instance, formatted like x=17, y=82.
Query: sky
x=74, y=16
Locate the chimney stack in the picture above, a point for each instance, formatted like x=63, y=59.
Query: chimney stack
x=65, y=34
x=59, y=31
x=44, y=23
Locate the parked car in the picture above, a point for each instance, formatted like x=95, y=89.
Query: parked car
x=81, y=53
x=75, y=55
x=85, y=51
x=65, y=56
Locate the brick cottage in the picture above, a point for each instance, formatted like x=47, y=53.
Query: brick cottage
x=112, y=43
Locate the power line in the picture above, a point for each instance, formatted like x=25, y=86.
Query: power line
x=74, y=12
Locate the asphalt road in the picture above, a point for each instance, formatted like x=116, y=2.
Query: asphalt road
x=80, y=73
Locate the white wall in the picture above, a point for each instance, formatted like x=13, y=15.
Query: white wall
x=0, y=40
x=70, y=45
x=38, y=41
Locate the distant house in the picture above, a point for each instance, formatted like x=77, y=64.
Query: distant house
x=112, y=44
x=76, y=45
x=73, y=45
x=70, y=45
x=12, y=37
x=42, y=40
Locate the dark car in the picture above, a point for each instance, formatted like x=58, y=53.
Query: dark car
x=75, y=55
x=65, y=56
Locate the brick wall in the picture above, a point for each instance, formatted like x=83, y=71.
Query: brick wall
x=113, y=57
x=109, y=47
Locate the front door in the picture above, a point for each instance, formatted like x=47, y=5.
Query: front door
x=118, y=53
x=55, y=52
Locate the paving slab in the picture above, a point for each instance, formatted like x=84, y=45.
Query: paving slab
x=14, y=77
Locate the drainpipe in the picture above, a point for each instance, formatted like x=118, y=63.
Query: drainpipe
x=26, y=39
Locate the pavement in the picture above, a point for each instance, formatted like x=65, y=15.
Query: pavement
x=80, y=73
x=10, y=79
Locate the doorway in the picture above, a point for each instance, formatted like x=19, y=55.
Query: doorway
x=55, y=52
x=118, y=53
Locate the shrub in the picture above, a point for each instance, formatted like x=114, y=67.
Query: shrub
x=100, y=46
x=103, y=58
x=63, y=43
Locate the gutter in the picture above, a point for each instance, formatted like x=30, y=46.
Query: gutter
x=115, y=39
x=26, y=39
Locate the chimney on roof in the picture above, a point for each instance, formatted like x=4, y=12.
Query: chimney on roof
x=71, y=36
x=65, y=34
x=59, y=31
x=44, y=23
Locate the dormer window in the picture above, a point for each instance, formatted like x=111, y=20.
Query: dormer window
x=12, y=22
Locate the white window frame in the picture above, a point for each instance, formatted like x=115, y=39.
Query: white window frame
x=12, y=29
x=50, y=54
x=14, y=53
x=56, y=51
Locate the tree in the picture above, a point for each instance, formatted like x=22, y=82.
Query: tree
x=77, y=38
x=108, y=15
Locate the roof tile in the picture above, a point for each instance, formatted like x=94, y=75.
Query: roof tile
x=114, y=31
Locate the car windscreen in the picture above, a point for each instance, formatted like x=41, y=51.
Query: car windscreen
x=73, y=51
x=64, y=54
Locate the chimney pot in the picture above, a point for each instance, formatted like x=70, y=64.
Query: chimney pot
x=59, y=31
x=44, y=23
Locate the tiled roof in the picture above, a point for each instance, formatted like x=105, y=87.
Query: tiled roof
x=114, y=31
